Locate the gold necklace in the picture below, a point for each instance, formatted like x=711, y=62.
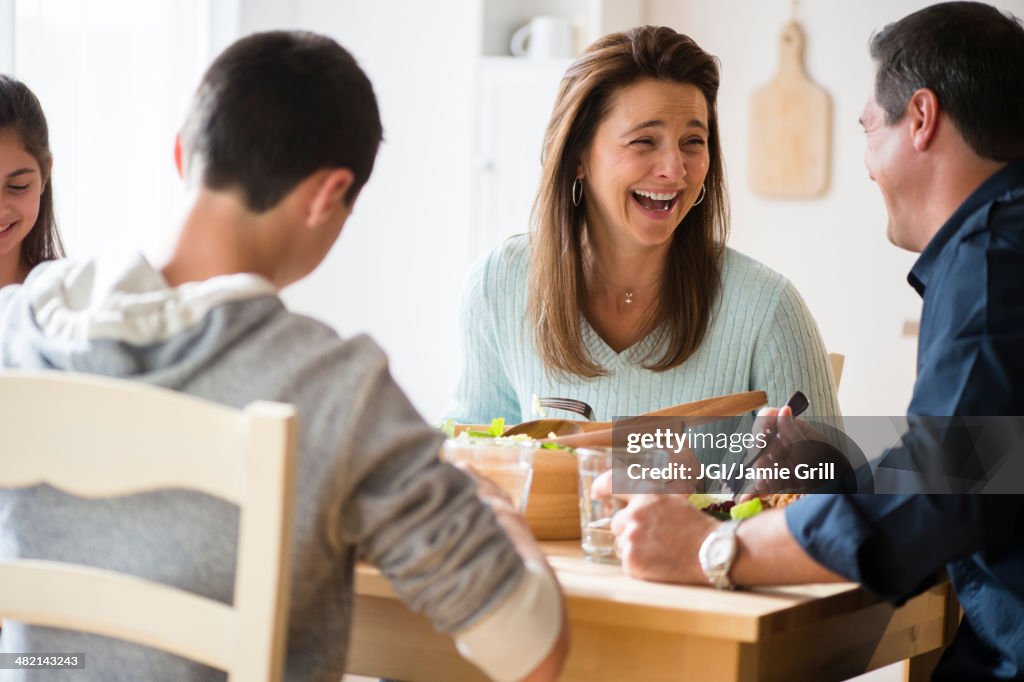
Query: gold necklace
x=628, y=291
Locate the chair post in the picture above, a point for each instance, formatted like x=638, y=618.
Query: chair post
x=836, y=362
x=265, y=542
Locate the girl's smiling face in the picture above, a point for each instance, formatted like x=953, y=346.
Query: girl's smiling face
x=644, y=169
x=19, y=196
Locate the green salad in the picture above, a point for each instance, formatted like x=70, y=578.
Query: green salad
x=494, y=431
x=725, y=509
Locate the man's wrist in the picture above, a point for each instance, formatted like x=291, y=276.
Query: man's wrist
x=718, y=553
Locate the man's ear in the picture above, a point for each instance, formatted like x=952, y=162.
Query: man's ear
x=177, y=156
x=329, y=195
x=923, y=118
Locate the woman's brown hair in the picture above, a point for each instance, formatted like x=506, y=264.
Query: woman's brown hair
x=692, y=275
x=20, y=110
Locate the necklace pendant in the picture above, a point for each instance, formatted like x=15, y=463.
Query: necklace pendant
x=629, y=297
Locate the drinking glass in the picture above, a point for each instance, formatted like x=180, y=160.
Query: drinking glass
x=507, y=463
x=596, y=512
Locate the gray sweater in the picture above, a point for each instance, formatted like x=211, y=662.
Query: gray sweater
x=369, y=480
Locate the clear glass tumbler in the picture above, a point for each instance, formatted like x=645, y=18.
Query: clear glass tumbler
x=596, y=513
x=507, y=463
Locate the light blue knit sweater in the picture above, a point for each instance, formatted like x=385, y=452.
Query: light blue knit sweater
x=762, y=336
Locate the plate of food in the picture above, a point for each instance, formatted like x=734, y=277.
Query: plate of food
x=724, y=507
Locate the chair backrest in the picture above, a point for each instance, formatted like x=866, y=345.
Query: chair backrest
x=836, y=362
x=98, y=437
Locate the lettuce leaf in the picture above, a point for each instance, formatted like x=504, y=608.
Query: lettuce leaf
x=497, y=427
x=747, y=509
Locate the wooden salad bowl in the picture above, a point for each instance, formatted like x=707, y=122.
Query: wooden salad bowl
x=552, y=509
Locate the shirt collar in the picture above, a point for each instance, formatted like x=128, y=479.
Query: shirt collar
x=1009, y=176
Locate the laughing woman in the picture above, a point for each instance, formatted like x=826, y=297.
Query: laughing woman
x=624, y=295
x=28, y=229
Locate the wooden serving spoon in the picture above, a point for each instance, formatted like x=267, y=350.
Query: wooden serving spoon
x=696, y=413
x=570, y=432
x=542, y=428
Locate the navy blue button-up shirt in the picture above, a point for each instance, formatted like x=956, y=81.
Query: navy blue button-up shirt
x=970, y=363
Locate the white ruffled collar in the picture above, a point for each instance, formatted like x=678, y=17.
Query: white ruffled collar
x=127, y=299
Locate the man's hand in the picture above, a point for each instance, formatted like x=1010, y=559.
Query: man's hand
x=791, y=441
x=657, y=538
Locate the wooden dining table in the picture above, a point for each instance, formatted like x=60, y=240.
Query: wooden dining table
x=627, y=629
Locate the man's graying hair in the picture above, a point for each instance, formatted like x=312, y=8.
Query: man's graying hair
x=971, y=56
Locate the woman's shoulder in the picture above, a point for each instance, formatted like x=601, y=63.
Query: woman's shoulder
x=514, y=252
x=741, y=272
x=750, y=285
x=507, y=262
x=500, y=272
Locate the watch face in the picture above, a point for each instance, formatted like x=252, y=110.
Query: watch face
x=720, y=551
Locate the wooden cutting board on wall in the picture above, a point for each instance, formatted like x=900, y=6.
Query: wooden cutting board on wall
x=790, y=128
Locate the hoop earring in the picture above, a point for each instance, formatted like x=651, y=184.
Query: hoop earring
x=577, y=191
x=703, y=193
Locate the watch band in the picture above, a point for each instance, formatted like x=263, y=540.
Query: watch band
x=717, y=572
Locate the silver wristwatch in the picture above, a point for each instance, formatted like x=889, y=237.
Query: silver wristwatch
x=718, y=552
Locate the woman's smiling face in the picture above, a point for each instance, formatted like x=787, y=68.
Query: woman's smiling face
x=19, y=194
x=645, y=166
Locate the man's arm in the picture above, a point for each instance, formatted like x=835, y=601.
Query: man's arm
x=519, y=533
x=770, y=555
x=470, y=567
x=658, y=537
x=895, y=544
x=517, y=530
x=891, y=544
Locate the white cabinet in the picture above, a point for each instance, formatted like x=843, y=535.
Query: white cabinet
x=514, y=100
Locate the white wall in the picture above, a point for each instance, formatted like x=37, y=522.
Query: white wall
x=114, y=79
x=398, y=268
x=6, y=36
x=833, y=249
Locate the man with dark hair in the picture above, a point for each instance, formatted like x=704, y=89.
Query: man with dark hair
x=972, y=58
x=281, y=136
x=945, y=144
x=264, y=129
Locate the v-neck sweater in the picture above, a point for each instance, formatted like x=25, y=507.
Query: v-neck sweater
x=761, y=337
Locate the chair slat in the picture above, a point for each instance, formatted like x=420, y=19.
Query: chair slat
x=97, y=437
x=189, y=443
x=105, y=603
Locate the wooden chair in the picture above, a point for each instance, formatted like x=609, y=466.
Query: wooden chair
x=98, y=437
x=836, y=362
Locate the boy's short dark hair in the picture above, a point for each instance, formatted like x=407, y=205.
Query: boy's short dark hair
x=275, y=107
x=971, y=56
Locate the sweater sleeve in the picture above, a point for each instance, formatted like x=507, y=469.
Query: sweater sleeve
x=415, y=517
x=484, y=391
x=894, y=544
x=789, y=356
